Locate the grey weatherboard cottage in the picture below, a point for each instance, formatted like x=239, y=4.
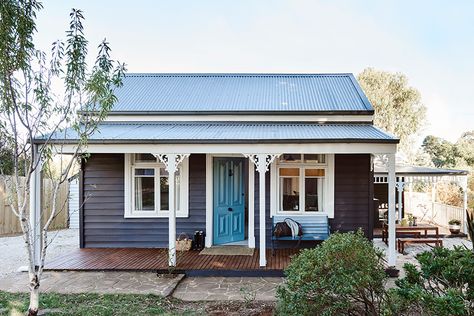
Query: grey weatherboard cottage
x=224, y=153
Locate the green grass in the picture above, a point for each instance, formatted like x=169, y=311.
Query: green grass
x=97, y=304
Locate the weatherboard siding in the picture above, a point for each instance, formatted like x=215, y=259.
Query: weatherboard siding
x=104, y=225
x=104, y=222
x=353, y=194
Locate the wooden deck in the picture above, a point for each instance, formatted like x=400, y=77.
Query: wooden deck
x=189, y=262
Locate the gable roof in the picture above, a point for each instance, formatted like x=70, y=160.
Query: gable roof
x=240, y=94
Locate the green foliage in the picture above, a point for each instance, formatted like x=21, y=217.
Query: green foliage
x=470, y=226
x=97, y=304
x=444, y=154
x=443, y=285
x=344, y=275
x=398, y=107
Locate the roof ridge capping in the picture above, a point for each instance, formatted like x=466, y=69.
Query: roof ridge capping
x=235, y=74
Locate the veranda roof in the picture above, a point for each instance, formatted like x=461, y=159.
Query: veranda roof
x=408, y=170
x=229, y=132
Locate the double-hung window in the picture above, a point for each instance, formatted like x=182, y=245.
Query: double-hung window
x=304, y=184
x=147, y=187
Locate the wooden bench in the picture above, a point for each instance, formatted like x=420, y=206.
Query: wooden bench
x=414, y=234
x=404, y=241
x=315, y=227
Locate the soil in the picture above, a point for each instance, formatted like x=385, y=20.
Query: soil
x=240, y=308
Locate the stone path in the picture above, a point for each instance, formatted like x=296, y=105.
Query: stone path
x=227, y=288
x=95, y=282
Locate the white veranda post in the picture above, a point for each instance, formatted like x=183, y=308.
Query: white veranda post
x=392, y=255
x=262, y=162
x=463, y=184
x=251, y=202
x=35, y=208
x=400, y=187
x=171, y=162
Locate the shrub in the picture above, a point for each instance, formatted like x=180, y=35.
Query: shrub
x=344, y=275
x=443, y=285
x=454, y=222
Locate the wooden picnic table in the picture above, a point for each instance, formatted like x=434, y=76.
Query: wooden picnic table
x=399, y=230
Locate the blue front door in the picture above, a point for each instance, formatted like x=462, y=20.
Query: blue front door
x=229, y=200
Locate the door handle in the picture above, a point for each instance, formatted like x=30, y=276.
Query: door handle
x=230, y=209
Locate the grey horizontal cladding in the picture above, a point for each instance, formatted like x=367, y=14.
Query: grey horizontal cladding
x=217, y=93
x=104, y=225
x=231, y=132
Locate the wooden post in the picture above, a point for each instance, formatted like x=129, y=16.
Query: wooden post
x=171, y=162
x=392, y=255
x=172, y=210
x=251, y=202
x=261, y=195
x=35, y=207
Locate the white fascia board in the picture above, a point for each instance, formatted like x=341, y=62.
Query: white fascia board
x=241, y=118
x=320, y=148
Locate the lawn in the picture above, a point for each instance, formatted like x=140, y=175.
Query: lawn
x=126, y=304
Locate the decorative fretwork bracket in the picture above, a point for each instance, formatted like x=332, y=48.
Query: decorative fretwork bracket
x=171, y=165
x=400, y=186
x=262, y=161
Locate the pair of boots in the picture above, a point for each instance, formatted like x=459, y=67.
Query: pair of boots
x=198, y=240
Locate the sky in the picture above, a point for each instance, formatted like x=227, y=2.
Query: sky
x=430, y=41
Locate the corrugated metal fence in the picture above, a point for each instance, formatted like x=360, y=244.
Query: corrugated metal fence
x=9, y=223
x=421, y=206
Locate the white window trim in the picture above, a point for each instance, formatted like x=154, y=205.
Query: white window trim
x=328, y=200
x=130, y=212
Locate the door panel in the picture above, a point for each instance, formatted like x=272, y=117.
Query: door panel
x=229, y=200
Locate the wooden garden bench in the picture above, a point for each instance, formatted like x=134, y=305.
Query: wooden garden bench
x=404, y=241
x=315, y=227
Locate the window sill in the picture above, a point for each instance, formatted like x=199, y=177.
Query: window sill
x=161, y=215
x=301, y=213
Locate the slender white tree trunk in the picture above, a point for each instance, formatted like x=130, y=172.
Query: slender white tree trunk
x=34, y=295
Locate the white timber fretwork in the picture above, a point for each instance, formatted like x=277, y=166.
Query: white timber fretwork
x=171, y=162
x=262, y=162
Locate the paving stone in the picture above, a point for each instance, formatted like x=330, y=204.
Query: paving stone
x=225, y=289
x=95, y=282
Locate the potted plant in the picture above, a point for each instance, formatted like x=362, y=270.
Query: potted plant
x=454, y=226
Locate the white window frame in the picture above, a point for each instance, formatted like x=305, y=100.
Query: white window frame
x=328, y=187
x=129, y=196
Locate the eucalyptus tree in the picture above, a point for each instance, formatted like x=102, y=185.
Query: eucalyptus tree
x=31, y=106
x=398, y=106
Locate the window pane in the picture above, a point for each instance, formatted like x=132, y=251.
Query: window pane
x=164, y=194
x=290, y=158
x=165, y=188
x=314, y=172
x=290, y=172
x=311, y=194
x=290, y=196
x=145, y=193
x=145, y=158
x=163, y=172
x=315, y=158
x=145, y=172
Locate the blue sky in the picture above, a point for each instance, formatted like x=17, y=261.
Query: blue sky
x=431, y=42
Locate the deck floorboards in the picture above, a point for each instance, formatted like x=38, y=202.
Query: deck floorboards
x=91, y=259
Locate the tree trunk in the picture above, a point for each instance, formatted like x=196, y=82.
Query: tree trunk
x=34, y=296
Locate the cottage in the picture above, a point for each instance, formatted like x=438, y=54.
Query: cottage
x=224, y=154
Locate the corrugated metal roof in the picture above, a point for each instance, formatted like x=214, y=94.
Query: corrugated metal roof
x=200, y=93
x=403, y=169
x=231, y=132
